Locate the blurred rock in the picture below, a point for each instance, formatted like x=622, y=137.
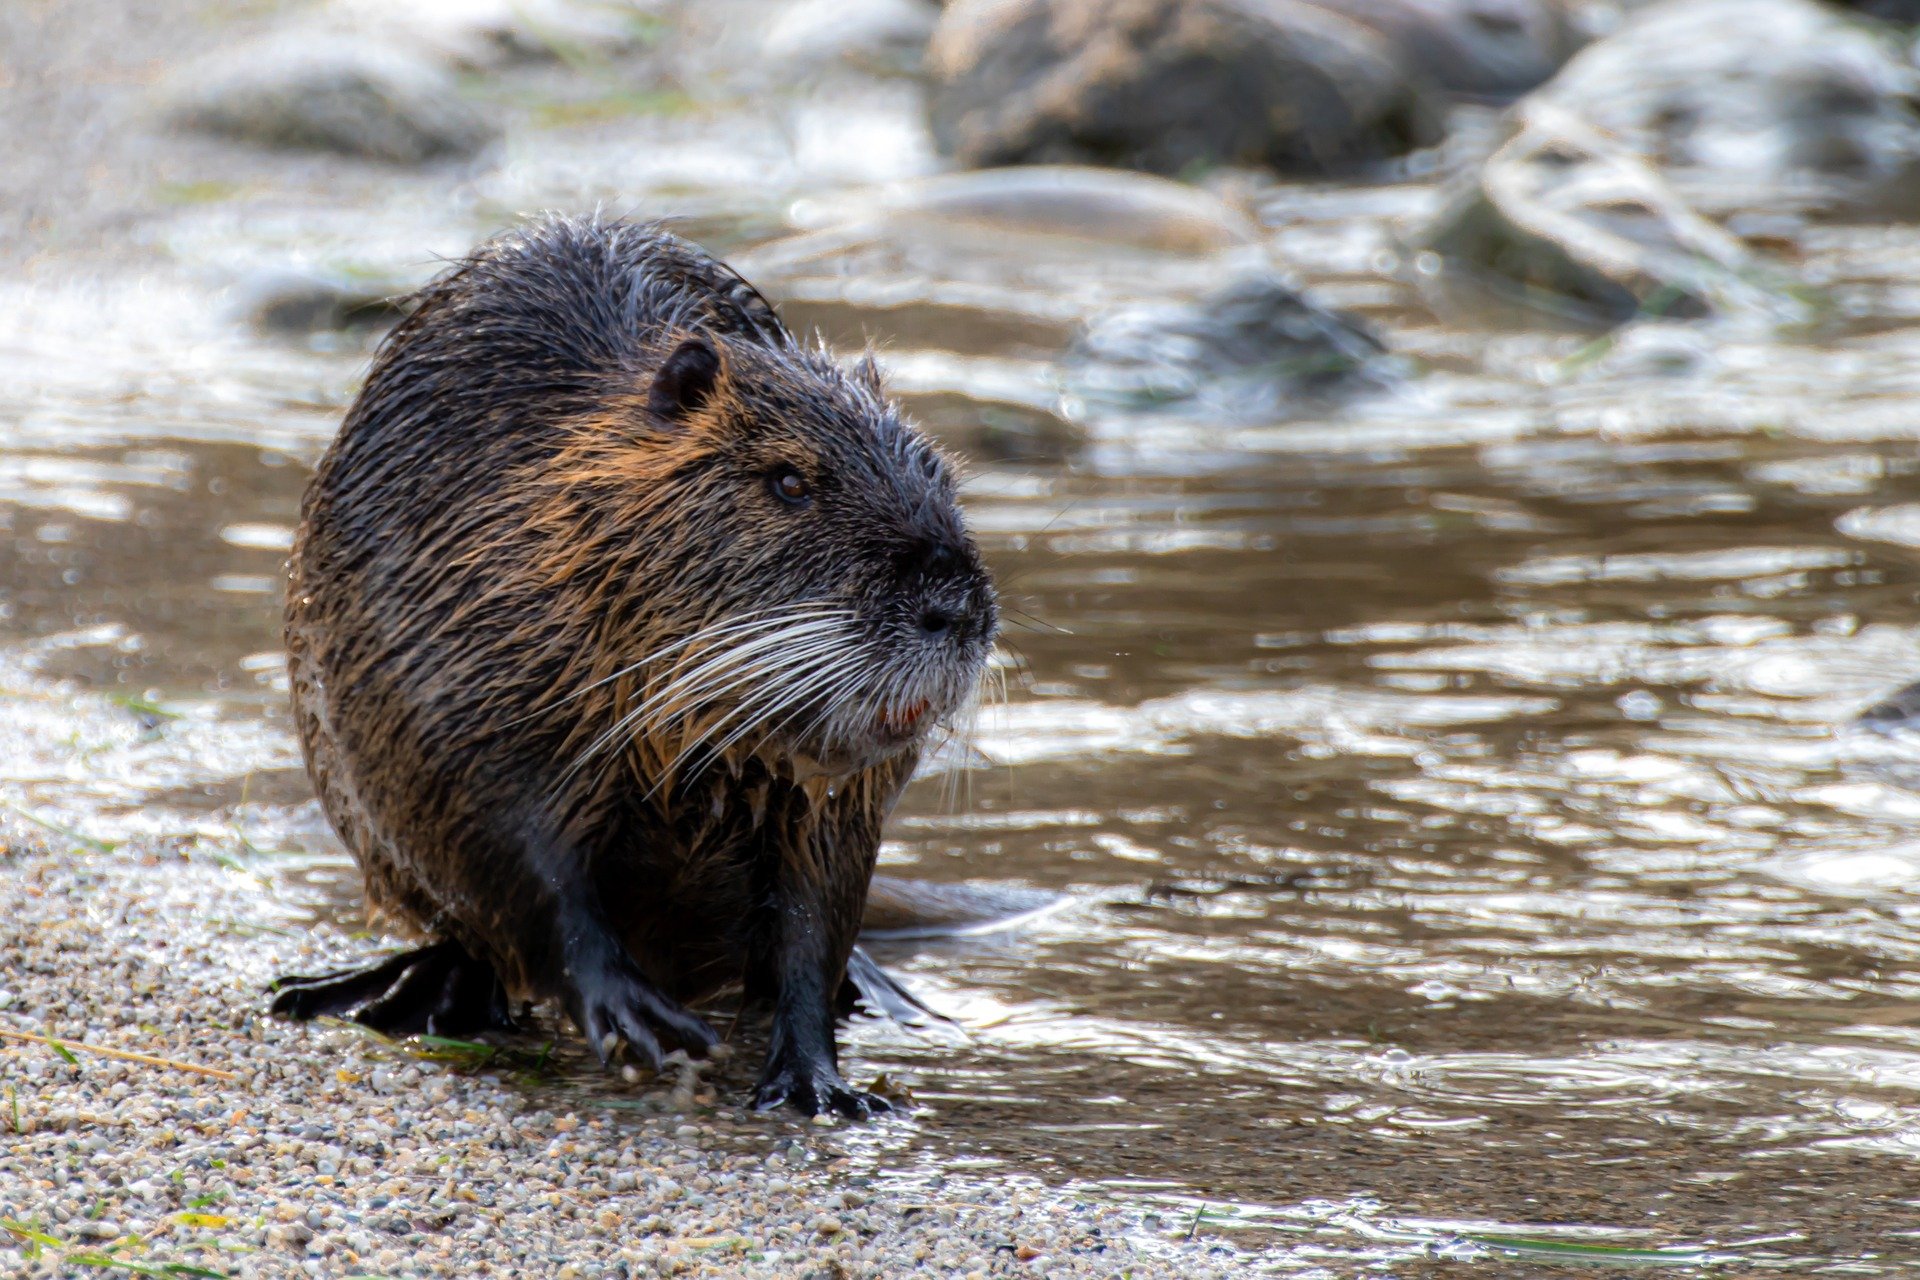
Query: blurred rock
x=1648, y=349
x=888, y=37
x=1171, y=85
x=1482, y=49
x=300, y=302
x=483, y=34
x=1563, y=219
x=1757, y=104
x=985, y=431
x=1065, y=200
x=1883, y=742
x=1253, y=348
x=1897, y=716
x=312, y=91
x=1904, y=12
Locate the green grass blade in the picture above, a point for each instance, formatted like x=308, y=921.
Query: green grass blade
x=1584, y=1251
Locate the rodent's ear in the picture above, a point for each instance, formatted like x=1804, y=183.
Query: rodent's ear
x=686, y=379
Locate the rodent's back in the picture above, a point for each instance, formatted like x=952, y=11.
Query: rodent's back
x=538, y=326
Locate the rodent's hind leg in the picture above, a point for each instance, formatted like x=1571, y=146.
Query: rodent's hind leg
x=440, y=989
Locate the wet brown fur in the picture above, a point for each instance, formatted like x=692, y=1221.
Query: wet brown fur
x=469, y=595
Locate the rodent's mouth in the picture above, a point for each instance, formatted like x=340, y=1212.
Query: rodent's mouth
x=898, y=722
x=892, y=728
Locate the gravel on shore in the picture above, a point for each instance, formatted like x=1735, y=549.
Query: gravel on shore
x=244, y=1145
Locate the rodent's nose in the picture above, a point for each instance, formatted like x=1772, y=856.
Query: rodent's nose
x=952, y=606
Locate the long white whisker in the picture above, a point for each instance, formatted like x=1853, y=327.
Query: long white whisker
x=830, y=698
x=715, y=666
x=672, y=702
x=749, y=654
x=835, y=699
x=720, y=680
x=785, y=673
x=741, y=678
x=718, y=677
x=752, y=712
x=828, y=693
x=757, y=619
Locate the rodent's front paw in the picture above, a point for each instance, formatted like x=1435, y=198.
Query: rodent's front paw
x=813, y=1089
x=613, y=1001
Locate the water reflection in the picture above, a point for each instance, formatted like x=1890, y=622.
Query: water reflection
x=1453, y=793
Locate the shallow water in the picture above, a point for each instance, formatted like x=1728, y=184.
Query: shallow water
x=1453, y=791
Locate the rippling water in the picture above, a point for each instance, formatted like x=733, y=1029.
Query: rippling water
x=1453, y=792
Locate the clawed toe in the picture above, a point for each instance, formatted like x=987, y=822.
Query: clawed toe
x=438, y=989
x=816, y=1091
x=614, y=1004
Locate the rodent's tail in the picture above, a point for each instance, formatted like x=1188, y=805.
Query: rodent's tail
x=867, y=983
x=905, y=909
x=922, y=909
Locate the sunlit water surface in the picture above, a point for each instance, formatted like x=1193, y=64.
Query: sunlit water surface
x=1453, y=792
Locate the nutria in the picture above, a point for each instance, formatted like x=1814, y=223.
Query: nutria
x=617, y=621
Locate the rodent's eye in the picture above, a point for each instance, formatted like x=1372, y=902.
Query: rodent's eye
x=791, y=487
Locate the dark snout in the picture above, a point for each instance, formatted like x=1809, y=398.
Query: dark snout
x=954, y=595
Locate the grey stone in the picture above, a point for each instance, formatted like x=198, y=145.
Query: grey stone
x=1562, y=218
x=314, y=302
x=1904, y=12
x=1254, y=348
x=1482, y=49
x=1171, y=85
x=482, y=35
x=1757, y=104
x=317, y=91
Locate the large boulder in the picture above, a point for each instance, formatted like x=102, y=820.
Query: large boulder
x=1562, y=218
x=1490, y=50
x=310, y=90
x=1171, y=85
x=1776, y=105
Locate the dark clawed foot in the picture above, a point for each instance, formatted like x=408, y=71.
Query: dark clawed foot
x=440, y=990
x=614, y=999
x=814, y=1088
